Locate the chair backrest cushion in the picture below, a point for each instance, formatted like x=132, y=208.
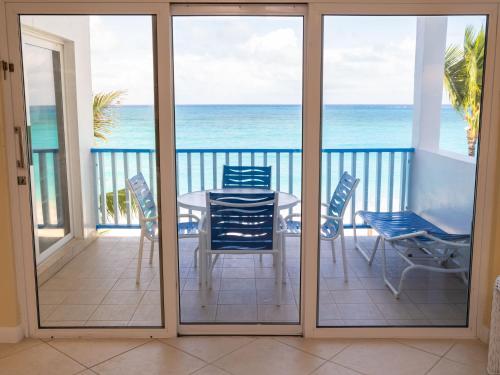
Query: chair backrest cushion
x=340, y=199
x=242, y=221
x=143, y=196
x=246, y=177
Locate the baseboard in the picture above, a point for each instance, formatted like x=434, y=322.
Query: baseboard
x=483, y=333
x=11, y=335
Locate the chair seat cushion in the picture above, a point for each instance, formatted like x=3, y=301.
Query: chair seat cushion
x=295, y=226
x=393, y=224
x=188, y=227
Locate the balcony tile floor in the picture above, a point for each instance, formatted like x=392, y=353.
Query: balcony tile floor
x=243, y=355
x=98, y=288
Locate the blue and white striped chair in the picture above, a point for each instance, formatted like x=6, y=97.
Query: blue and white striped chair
x=246, y=177
x=414, y=239
x=240, y=223
x=148, y=220
x=332, y=226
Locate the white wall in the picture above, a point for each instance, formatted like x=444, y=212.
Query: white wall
x=75, y=33
x=442, y=190
x=441, y=184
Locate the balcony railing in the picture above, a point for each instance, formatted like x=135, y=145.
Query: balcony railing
x=383, y=176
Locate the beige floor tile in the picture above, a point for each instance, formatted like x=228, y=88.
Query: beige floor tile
x=437, y=347
x=63, y=323
x=91, y=352
x=72, y=312
x=469, y=352
x=51, y=297
x=114, y=312
x=274, y=313
x=123, y=298
x=147, y=312
x=46, y=310
x=9, y=349
x=330, y=368
x=106, y=323
x=267, y=356
x=385, y=358
x=211, y=370
x=151, y=358
x=208, y=348
x=324, y=348
x=151, y=298
x=87, y=297
x=447, y=367
x=40, y=360
x=129, y=284
x=236, y=313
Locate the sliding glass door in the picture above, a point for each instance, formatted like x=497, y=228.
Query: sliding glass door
x=401, y=118
x=92, y=142
x=238, y=126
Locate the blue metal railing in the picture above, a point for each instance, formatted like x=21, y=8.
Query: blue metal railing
x=383, y=173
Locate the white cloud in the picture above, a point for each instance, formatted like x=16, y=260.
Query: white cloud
x=381, y=73
x=260, y=68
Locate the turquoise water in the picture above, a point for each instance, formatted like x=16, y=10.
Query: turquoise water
x=262, y=126
x=279, y=126
x=253, y=126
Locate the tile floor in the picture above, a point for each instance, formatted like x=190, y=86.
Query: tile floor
x=243, y=355
x=98, y=288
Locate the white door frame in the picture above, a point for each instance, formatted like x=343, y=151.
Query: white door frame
x=23, y=244
x=484, y=204
x=485, y=201
x=247, y=10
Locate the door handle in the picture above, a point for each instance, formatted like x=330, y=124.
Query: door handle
x=20, y=162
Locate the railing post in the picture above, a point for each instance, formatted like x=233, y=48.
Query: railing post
x=96, y=193
x=115, y=190
x=44, y=191
x=391, y=181
x=127, y=192
x=353, y=198
x=366, y=182
x=103, y=191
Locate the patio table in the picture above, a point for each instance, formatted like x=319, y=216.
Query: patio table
x=196, y=200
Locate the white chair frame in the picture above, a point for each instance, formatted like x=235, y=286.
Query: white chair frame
x=209, y=257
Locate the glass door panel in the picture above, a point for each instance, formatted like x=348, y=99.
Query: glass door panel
x=91, y=110
x=400, y=131
x=238, y=122
x=45, y=114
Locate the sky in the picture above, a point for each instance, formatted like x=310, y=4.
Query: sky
x=258, y=60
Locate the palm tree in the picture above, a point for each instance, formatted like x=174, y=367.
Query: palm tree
x=463, y=80
x=104, y=116
x=104, y=121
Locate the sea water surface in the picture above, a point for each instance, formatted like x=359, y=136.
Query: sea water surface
x=250, y=126
x=280, y=126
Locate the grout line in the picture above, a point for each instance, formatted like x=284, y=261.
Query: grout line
x=67, y=355
x=422, y=350
x=252, y=339
x=119, y=354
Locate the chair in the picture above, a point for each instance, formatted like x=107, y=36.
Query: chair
x=333, y=224
x=240, y=223
x=148, y=220
x=414, y=239
x=246, y=177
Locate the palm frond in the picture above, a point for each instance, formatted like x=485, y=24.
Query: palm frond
x=463, y=79
x=104, y=114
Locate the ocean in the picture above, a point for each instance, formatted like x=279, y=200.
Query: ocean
x=262, y=126
x=249, y=126
x=279, y=126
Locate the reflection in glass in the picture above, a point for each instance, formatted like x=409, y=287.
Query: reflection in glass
x=393, y=107
x=46, y=125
